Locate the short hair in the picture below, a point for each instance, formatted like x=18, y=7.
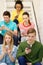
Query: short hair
x=26, y=13
x=6, y=13
x=18, y=2
x=31, y=30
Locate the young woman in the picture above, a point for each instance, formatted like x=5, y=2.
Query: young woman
x=25, y=25
x=17, y=13
x=8, y=50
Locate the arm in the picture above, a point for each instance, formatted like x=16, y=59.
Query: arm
x=14, y=32
x=11, y=58
x=12, y=55
x=0, y=28
x=2, y=53
x=13, y=15
x=1, y=56
x=40, y=55
x=20, y=52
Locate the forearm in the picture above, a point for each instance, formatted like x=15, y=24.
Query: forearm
x=1, y=56
x=13, y=32
x=0, y=28
x=37, y=60
x=11, y=58
x=20, y=54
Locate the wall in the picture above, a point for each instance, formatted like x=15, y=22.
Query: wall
x=39, y=15
x=2, y=8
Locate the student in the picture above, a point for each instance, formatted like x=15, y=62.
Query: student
x=25, y=25
x=30, y=52
x=17, y=13
x=8, y=50
x=8, y=25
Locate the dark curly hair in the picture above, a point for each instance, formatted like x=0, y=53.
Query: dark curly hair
x=18, y=2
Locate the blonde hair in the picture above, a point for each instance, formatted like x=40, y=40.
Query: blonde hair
x=11, y=43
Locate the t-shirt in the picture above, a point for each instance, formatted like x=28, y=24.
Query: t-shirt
x=11, y=25
x=24, y=28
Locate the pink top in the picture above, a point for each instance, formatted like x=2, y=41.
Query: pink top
x=24, y=29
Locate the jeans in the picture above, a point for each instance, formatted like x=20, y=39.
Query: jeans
x=23, y=61
x=1, y=39
x=15, y=40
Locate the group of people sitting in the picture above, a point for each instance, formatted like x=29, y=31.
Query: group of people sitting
x=16, y=29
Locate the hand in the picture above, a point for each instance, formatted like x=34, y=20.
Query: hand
x=27, y=50
x=29, y=63
x=4, y=51
x=4, y=28
x=8, y=51
x=23, y=34
x=0, y=29
x=16, y=16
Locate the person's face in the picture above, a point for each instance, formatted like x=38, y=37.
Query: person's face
x=31, y=37
x=18, y=7
x=8, y=39
x=6, y=18
x=25, y=18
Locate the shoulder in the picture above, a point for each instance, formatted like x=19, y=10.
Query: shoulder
x=39, y=44
x=2, y=22
x=22, y=11
x=23, y=43
x=12, y=22
x=14, y=48
x=20, y=25
x=32, y=23
x=13, y=11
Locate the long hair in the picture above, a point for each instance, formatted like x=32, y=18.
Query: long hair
x=11, y=42
x=26, y=13
x=18, y=2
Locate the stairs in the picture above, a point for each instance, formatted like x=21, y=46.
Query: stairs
x=28, y=6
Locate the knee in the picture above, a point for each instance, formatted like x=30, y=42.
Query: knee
x=21, y=59
x=38, y=63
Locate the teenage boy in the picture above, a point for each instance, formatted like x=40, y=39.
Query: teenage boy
x=30, y=52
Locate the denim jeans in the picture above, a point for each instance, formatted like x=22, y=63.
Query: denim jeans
x=23, y=61
x=1, y=39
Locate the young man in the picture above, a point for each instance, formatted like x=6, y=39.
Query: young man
x=30, y=52
x=7, y=25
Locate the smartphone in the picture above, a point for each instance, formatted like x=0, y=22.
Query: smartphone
x=7, y=47
x=29, y=47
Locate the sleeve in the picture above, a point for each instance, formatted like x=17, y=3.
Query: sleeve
x=40, y=55
x=12, y=15
x=32, y=25
x=0, y=49
x=15, y=26
x=20, y=52
x=0, y=23
x=14, y=52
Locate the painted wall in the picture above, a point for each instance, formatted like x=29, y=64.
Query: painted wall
x=38, y=5
x=2, y=8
